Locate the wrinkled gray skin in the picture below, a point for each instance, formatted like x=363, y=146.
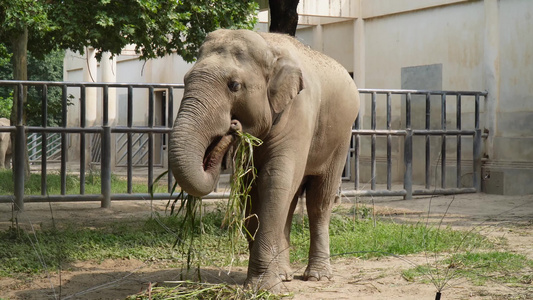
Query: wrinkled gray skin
x=302, y=105
x=5, y=146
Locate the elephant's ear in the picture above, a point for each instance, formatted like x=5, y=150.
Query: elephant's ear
x=285, y=83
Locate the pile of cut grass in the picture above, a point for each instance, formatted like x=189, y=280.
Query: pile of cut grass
x=196, y=290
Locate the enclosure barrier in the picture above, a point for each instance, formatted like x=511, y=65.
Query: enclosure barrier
x=408, y=133
x=105, y=129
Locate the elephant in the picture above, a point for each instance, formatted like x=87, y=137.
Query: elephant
x=5, y=146
x=301, y=104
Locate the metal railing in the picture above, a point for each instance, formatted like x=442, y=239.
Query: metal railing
x=104, y=130
x=408, y=133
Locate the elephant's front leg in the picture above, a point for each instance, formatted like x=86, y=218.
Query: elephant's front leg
x=269, y=252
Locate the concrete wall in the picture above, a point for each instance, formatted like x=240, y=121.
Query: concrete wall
x=511, y=116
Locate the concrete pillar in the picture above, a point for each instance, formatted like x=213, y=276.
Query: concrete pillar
x=318, y=39
x=90, y=75
x=491, y=71
x=108, y=68
x=359, y=52
x=359, y=61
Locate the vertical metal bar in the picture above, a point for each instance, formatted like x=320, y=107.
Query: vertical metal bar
x=408, y=161
x=428, y=145
x=150, y=139
x=129, y=141
x=20, y=145
x=83, y=124
x=357, y=153
x=443, y=146
x=105, y=161
x=476, y=177
x=458, y=184
x=408, y=111
x=44, y=140
x=389, y=143
x=408, y=151
x=64, y=145
x=373, y=143
x=170, y=115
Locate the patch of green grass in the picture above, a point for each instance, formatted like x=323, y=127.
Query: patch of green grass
x=153, y=239
x=369, y=238
x=92, y=184
x=503, y=267
x=478, y=267
x=33, y=252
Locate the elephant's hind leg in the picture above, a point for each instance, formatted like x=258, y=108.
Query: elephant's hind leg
x=320, y=197
x=4, y=148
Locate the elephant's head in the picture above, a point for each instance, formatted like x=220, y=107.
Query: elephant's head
x=239, y=82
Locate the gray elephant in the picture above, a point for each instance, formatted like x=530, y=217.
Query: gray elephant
x=5, y=146
x=302, y=104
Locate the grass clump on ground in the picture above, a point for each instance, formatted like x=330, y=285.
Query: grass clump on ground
x=480, y=268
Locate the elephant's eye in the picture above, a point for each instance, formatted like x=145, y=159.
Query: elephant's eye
x=234, y=86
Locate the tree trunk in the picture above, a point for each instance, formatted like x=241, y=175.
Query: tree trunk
x=20, y=72
x=283, y=16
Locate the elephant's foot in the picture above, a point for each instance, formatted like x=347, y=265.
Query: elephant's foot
x=266, y=281
x=317, y=271
x=285, y=272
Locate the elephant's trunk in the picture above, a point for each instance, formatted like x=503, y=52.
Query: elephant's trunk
x=197, y=148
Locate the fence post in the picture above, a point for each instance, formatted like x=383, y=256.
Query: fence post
x=476, y=180
x=19, y=150
x=105, y=161
x=408, y=151
x=408, y=161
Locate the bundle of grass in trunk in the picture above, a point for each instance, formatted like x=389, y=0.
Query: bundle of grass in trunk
x=190, y=207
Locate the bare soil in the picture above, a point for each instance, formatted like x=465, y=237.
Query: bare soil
x=494, y=216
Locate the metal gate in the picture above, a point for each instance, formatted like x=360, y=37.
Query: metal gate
x=75, y=138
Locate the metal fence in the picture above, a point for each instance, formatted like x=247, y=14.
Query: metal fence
x=130, y=133
x=409, y=132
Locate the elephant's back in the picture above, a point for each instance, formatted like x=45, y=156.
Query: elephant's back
x=4, y=122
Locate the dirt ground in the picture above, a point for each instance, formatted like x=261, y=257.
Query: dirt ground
x=495, y=216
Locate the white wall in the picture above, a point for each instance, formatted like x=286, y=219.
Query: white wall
x=514, y=138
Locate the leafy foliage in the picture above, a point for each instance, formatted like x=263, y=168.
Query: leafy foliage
x=47, y=68
x=156, y=27
x=6, y=103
